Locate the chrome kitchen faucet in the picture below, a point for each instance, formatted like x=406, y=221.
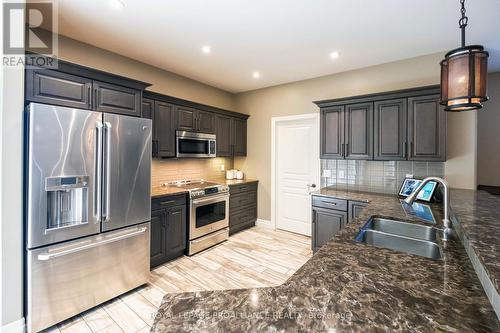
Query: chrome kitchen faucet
x=446, y=197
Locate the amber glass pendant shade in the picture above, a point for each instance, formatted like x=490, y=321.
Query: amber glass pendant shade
x=464, y=78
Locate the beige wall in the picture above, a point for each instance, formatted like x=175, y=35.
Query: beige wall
x=162, y=81
x=488, y=136
x=296, y=98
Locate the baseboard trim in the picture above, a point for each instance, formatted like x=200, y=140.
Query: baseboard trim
x=495, y=190
x=14, y=327
x=264, y=224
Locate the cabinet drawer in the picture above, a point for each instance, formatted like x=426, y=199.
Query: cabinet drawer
x=235, y=189
x=243, y=216
x=243, y=199
x=330, y=203
x=168, y=201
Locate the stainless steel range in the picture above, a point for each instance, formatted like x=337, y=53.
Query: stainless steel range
x=208, y=214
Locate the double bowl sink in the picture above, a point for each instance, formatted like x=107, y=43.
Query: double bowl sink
x=401, y=236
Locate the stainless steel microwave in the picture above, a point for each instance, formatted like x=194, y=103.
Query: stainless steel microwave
x=192, y=144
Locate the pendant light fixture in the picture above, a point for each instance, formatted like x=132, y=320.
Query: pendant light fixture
x=464, y=74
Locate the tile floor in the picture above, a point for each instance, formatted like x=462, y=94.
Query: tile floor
x=256, y=257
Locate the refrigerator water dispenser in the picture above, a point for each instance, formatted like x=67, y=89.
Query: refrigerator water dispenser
x=67, y=200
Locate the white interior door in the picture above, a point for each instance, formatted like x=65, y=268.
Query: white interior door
x=297, y=166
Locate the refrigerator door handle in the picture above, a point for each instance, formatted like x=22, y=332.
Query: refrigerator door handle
x=106, y=172
x=98, y=171
x=47, y=255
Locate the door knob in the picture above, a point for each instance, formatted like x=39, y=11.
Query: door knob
x=311, y=185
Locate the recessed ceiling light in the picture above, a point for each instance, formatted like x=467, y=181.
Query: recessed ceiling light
x=206, y=49
x=334, y=55
x=256, y=75
x=116, y=4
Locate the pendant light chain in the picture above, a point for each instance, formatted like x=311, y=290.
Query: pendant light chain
x=462, y=23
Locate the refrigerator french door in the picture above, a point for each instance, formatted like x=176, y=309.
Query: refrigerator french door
x=87, y=210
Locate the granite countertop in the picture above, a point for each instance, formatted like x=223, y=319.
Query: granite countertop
x=161, y=191
x=349, y=286
x=158, y=190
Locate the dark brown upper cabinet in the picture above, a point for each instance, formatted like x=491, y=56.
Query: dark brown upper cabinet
x=359, y=131
x=223, y=133
x=390, y=143
x=164, y=129
x=206, y=122
x=76, y=86
x=239, y=135
x=332, y=132
x=426, y=129
x=396, y=125
x=115, y=99
x=190, y=119
x=186, y=118
x=171, y=114
x=57, y=88
x=148, y=106
x=231, y=136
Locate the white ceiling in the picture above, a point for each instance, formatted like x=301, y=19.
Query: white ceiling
x=284, y=40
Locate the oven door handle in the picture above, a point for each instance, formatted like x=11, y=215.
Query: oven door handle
x=208, y=200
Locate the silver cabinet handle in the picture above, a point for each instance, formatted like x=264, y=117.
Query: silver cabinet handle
x=98, y=171
x=211, y=199
x=330, y=203
x=202, y=239
x=47, y=256
x=167, y=202
x=107, y=172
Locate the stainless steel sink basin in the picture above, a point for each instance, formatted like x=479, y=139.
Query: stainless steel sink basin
x=402, y=229
x=401, y=236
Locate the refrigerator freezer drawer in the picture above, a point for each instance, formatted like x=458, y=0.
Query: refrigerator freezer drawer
x=66, y=279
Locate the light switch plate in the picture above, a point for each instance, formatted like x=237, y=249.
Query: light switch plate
x=409, y=175
x=341, y=174
x=327, y=173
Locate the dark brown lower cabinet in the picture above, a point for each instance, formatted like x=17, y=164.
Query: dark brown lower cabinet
x=330, y=215
x=325, y=224
x=168, y=231
x=242, y=207
x=355, y=208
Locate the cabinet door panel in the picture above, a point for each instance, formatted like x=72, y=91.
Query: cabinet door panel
x=326, y=223
x=426, y=129
x=390, y=130
x=355, y=209
x=164, y=129
x=206, y=122
x=332, y=132
x=53, y=87
x=359, y=134
x=176, y=231
x=116, y=99
x=239, y=137
x=158, y=243
x=147, y=109
x=223, y=132
x=186, y=119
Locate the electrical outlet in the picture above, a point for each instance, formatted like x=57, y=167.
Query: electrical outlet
x=327, y=173
x=341, y=173
x=222, y=167
x=409, y=175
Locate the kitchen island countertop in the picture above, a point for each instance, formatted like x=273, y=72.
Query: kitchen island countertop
x=349, y=286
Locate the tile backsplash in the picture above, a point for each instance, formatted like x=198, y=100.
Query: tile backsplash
x=375, y=176
x=164, y=170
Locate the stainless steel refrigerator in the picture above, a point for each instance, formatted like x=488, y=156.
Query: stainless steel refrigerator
x=88, y=207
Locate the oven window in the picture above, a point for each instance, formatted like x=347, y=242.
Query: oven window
x=210, y=213
x=191, y=146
